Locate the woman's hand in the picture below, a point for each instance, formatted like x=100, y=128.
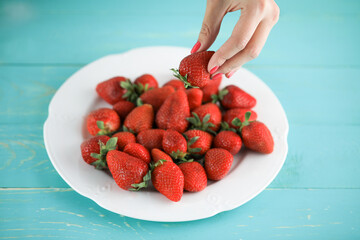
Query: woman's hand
x=247, y=39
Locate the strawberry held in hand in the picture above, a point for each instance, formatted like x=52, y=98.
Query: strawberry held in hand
x=111, y=91
x=193, y=69
x=102, y=121
x=255, y=135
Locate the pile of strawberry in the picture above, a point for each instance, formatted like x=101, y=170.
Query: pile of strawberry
x=177, y=138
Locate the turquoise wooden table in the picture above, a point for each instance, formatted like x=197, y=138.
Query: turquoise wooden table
x=311, y=61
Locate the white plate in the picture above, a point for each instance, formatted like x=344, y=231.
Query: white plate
x=64, y=130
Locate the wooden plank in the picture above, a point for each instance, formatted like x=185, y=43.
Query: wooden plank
x=276, y=214
x=309, y=95
x=74, y=32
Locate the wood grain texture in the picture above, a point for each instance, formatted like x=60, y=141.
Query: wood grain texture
x=276, y=214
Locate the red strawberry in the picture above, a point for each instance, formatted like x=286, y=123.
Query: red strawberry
x=228, y=140
x=218, y=162
x=157, y=155
x=195, y=179
x=147, y=79
x=102, y=121
x=92, y=150
x=110, y=90
x=126, y=170
x=199, y=142
x=230, y=114
x=194, y=96
x=138, y=151
x=151, y=138
x=176, y=84
x=255, y=135
x=206, y=123
x=174, y=144
x=173, y=113
x=140, y=118
x=212, y=88
x=234, y=97
x=157, y=96
x=193, y=69
x=168, y=179
x=123, y=108
x=124, y=138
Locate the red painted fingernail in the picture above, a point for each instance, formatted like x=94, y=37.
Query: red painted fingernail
x=214, y=69
x=217, y=76
x=196, y=47
x=228, y=75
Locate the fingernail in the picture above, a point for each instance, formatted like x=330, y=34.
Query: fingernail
x=196, y=47
x=217, y=76
x=214, y=69
x=228, y=75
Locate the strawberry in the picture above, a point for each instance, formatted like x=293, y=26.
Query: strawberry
x=194, y=96
x=212, y=88
x=193, y=69
x=151, y=138
x=234, y=97
x=102, y=121
x=255, y=135
x=206, y=117
x=139, y=151
x=199, y=142
x=230, y=114
x=128, y=171
x=124, y=138
x=218, y=162
x=123, y=108
x=157, y=155
x=228, y=140
x=168, y=179
x=139, y=119
x=176, y=84
x=94, y=150
x=173, y=113
x=110, y=90
x=147, y=79
x=195, y=179
x=157, y=96
x=174, y=144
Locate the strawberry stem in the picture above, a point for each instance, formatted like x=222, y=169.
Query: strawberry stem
x=182, y=78
x=100, y=163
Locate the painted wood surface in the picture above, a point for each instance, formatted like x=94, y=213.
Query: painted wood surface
x=311, y=61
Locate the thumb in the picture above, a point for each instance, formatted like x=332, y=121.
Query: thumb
x=211, y=25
